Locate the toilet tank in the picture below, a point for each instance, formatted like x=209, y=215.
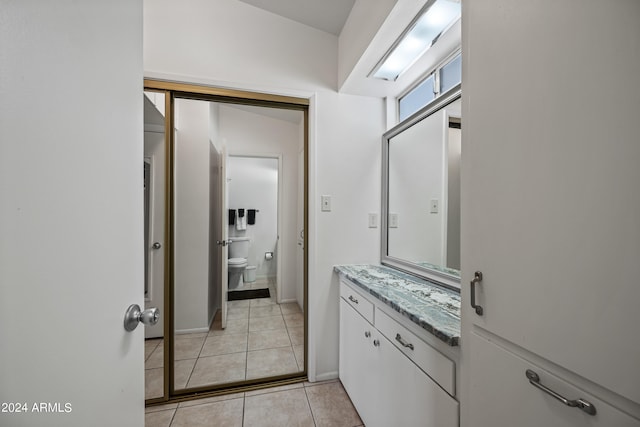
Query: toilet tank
x=239, y=248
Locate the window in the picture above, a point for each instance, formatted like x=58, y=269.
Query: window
x=438, y=82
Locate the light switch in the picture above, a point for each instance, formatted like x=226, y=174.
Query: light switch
x=393, y=220
x=433, y=204
x=325, y=203
x=373, y=220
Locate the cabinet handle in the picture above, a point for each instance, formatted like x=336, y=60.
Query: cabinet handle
x=403, y=342
x=367, y=334
x=477, y=278
x=582, y=404
x=376, y=343
x=352, y=299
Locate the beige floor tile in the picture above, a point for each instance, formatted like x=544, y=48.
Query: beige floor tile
x=150, y=345
x=293, y=320
x=227, y=413
x=261, y=302
x=297, y=335
x=156, y=359
x=257, y=285
x=187, y=347
x=182, y=372
x=153, y=383
x=189, y=336
x=266, y=323
x=211, y=399
x=234, y=326
x=218, y=369
x=283, y=408
x=271, y=362
x=331, y=406
x=238, y=313
x=157, y=408
x=290, y=307
x=159, y=418
x=239, y=303
x=298, y=352
x=224, y=344
x=269, y=339
x=266, y=311
x=273, y=389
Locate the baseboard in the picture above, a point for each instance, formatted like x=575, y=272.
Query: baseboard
x=326, y=376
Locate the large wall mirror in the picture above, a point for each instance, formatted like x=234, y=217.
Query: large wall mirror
x=421, y=192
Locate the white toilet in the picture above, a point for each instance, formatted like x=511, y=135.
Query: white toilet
x=237, y=262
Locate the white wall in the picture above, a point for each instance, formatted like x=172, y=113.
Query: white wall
x=254, y=185
x=71, y=213
x=191, y=263
x=200, y=41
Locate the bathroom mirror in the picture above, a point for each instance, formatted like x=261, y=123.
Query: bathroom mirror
x=421, y=192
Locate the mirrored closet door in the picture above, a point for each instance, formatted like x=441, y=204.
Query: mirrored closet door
x=237, y=297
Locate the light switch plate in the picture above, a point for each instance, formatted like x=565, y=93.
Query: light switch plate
x=393, y=220
x=373, y=220
x=325, y=203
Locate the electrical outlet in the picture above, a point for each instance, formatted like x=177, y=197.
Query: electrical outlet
x=373, y=220
x=325, y=203
x=433, y=204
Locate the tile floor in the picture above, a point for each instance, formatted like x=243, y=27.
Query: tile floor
x=323, y=404
x=262, y=339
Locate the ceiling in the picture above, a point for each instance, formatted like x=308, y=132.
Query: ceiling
x=326, y=15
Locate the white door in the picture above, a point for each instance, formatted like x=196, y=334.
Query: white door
x=224, y=253
x=154, y=295
x=71, y=213
x=550, y=198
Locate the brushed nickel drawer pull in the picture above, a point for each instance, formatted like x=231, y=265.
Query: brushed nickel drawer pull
x=352, y=299
x=477, y=278
x=403, y=342
x=582, y=404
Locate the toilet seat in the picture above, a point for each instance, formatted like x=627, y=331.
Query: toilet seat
x=237, y=262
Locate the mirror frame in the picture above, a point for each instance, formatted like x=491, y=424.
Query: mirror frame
x=432, y=275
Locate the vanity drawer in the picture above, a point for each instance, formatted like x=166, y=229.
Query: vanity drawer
x=357, y=301
x=432, y=362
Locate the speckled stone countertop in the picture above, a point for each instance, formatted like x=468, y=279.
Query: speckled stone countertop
x=432, y=307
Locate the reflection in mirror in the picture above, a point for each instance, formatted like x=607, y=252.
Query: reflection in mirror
x=237, y=305
x=154, y=242
x=421, y=192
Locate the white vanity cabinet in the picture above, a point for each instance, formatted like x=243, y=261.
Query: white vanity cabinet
x=387, y=387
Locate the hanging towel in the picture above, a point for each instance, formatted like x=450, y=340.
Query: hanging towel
x=232, y=216
x=251, y=216
x=241, y=223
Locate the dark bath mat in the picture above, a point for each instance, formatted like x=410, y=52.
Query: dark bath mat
x=248, y=294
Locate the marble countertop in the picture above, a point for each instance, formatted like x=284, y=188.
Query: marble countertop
x=432, y=307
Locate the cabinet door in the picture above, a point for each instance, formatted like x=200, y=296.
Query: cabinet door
x=410, y=398
x=358, y=367
x=550, y=200
x=504, y=396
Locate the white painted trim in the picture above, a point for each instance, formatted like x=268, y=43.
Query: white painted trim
x=325, y=377
x=311, y=240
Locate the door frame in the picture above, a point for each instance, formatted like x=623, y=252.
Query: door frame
x=228, y=96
